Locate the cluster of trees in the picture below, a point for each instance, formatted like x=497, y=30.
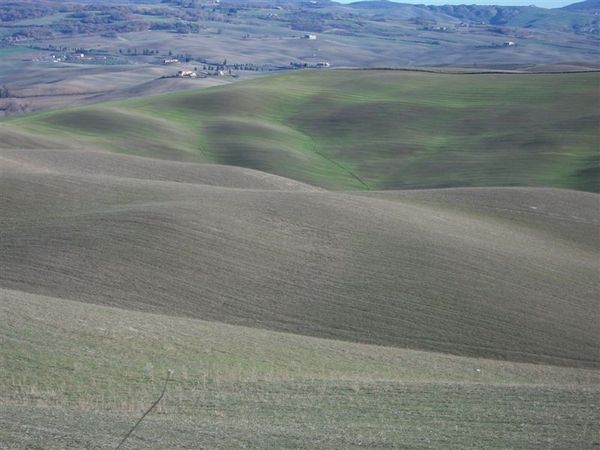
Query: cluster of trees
x=495, y=15
x=76, y=27
x=11, y=11
x=313, y=21
x=177, y=27
x=241, y=66
x=12, y=106
x=109, y=19
x=184, y=3
x=55, y=48
x=18, y=10
x=95, y=18
x=251, y=67
x=16, y=107
x=593, y=27
x=63, y=49
x=4, y=92
x=144, y=51
x=181, y=56
x=296, y=65
x=30, y=34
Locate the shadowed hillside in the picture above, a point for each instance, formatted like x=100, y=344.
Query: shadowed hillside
x=360, y=129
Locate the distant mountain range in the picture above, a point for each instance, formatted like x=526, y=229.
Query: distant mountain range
x=587, y=5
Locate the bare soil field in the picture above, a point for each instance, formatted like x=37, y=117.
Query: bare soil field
x=252, y=249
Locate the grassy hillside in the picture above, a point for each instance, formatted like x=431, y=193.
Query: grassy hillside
x=76, y=375
x=296, y=316
x=360, y=129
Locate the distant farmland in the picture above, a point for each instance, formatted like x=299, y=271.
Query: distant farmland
x=358, y=129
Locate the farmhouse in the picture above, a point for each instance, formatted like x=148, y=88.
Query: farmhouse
x=322, y=65
x=187, y=74
x=310, y=37
x=170, y=61
x=510, y=44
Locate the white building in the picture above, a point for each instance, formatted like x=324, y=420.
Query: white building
x=187, y=74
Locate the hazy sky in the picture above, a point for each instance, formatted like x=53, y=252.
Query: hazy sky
x=540, y=3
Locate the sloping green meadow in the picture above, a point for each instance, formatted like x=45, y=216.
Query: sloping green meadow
x=362, y=129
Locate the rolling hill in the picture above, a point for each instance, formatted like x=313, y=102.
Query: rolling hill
x=77, y=375
x=465, y=279
x=253, y=238
x=292, y=316
x=359, y=129
x=586, y=5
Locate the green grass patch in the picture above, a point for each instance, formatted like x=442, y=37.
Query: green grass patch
x=369, y=129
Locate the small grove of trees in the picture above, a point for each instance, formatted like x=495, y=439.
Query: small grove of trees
x=19, y=10
x=4, y=92
x=135, y=52
x=15, y=107
x=176, y=27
